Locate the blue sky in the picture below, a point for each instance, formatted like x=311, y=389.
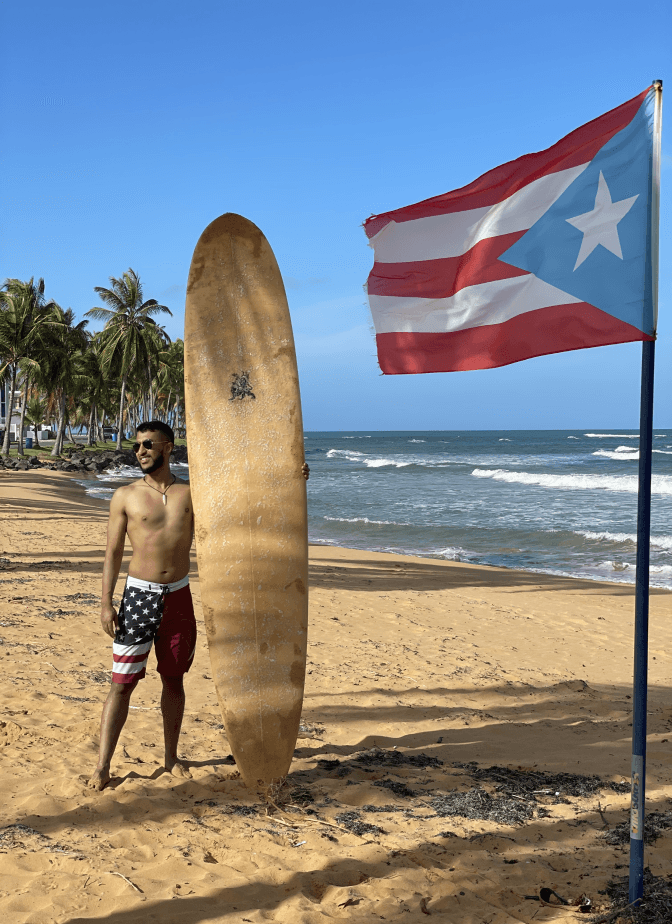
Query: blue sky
x=128, y=127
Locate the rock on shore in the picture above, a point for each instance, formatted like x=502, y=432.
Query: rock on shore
x=79, y=459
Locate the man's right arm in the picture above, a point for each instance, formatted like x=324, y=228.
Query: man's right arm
x=116, y=537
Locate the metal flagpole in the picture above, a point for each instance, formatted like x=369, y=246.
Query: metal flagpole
x=638, y=789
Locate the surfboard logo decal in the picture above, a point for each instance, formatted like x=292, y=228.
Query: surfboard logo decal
x=241, y=387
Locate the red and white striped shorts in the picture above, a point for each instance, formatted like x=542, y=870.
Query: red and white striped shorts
x=162, y=614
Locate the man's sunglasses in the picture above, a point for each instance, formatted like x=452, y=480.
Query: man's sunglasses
x=148, y=444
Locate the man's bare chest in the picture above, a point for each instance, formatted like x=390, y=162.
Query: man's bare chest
x=160, y=514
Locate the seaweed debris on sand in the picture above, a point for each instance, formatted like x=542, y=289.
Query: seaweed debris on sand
x=521, y=781
x=479, y=804
x=655, y=907
x=655, y=823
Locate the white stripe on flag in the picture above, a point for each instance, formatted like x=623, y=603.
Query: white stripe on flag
x=131, y=649
x=134, y=667
x=474, y=306
x=452, y=234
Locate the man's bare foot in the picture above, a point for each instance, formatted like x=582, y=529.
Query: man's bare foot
x=177, y=767
x=100, y=779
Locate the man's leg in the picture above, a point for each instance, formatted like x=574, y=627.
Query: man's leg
x=115, y=713
x=172, y=709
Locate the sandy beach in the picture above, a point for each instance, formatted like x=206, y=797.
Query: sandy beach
x=452, y=715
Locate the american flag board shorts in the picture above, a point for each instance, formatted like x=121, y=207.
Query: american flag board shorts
x=162, y=614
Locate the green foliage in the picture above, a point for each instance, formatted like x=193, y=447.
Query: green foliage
x=27, y=325
x=116, y=376
x=131, y=339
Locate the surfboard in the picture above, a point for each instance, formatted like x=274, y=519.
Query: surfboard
x=245, y=444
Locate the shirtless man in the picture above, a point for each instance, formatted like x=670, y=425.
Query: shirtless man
x=156, y=606
x=158, y=517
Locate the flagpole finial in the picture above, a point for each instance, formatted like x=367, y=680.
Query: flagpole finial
x=658, y=83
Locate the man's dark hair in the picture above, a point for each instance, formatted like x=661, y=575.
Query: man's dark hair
x=156, y=425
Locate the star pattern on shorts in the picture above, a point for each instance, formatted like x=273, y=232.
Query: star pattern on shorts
x=141, y=614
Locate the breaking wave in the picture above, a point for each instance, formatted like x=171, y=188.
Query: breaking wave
x=626, y=453
x=660, y=484
x=365, y=520
x=612, y=436
x=629, y=453
x=351, y=455
x=657, y=542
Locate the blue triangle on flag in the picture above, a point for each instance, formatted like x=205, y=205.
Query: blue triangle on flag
x=554, y=250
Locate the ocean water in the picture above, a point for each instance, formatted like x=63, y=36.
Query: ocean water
x=558, y=502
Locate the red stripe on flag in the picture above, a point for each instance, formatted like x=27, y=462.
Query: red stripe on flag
x=577, y=148
x=130, y=659
x=535, y=333
x=443, y=278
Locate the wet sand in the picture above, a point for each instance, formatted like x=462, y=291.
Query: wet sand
x=422, y=676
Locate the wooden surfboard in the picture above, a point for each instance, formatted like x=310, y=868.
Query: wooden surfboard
x=245, y=440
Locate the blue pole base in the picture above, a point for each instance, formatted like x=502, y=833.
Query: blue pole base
x=636, y=870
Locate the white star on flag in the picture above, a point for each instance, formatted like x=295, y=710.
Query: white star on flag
x=599, y=226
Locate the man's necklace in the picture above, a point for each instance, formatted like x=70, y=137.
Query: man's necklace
x=162, y=493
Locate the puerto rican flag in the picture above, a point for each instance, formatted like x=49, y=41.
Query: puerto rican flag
x=548, y=253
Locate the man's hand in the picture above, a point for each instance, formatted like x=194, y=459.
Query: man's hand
x=108, y=618
x=305, y=471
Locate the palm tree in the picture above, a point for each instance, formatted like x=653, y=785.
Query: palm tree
x=170, y=379
x=160, y=354
x=25, y=319
x=129, y=338
x=23, y=386
x=96, y=392
x=36, y=409
x=62, y=371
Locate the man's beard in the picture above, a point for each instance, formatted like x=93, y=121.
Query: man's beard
x=155, y=466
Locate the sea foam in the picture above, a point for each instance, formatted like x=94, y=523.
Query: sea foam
x=351, y=455
x=657, y=542
x=365, y=520
x=660, y=484
x=627, y=454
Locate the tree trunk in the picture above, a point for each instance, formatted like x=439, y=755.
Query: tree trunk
x=121, y=410
x=89, y=435
x=58, y=444
x=70, y=434
x=36, y=424
x=9, y=404
x=150, y=394
x=22, y=415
